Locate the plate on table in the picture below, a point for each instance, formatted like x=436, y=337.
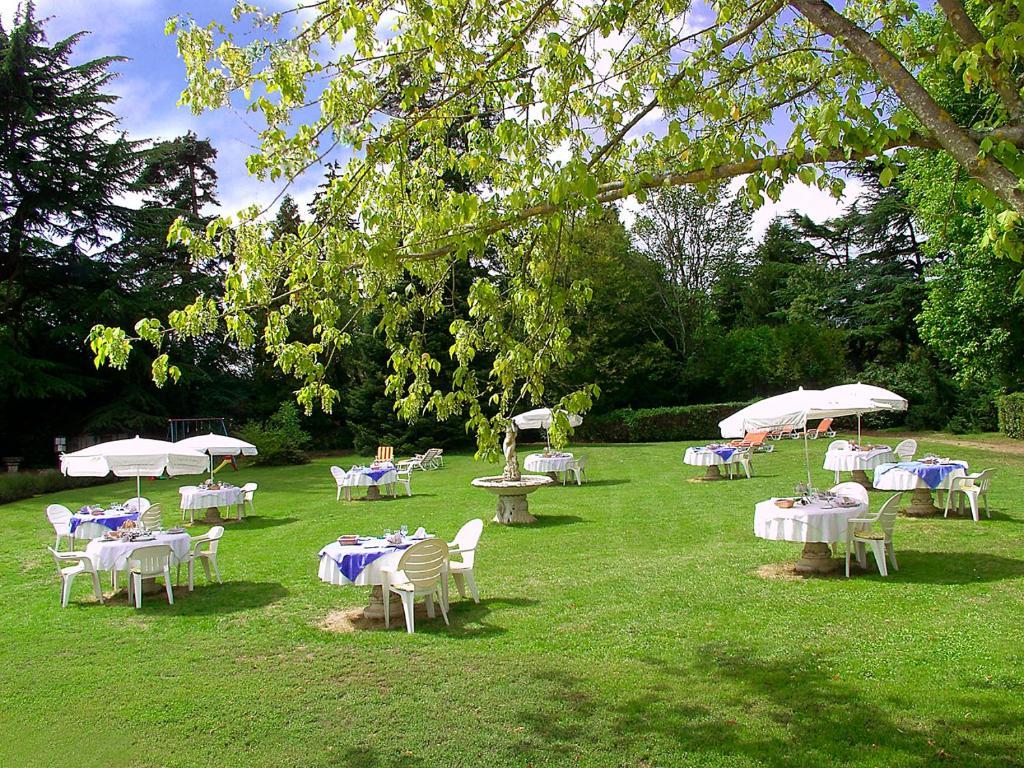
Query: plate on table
x=145, y=538
x=175, y=530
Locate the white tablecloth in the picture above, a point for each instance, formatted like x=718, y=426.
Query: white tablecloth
x=357, y=479
x=557, y=462
x=200, y=499
x=816, y=522
x=848, y=461
x=897, y=479
x=705, y=457
x=369, y=576
x=108, y=555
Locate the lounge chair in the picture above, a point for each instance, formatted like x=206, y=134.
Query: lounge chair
x=755, y=441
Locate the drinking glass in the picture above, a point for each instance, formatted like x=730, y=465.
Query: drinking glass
x=387, y=532
x=405, y=531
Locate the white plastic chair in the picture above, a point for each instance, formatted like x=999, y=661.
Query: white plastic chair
x=152, y=517
x=248, y=497
x=182, y=492
x=137, y=504
x=851, y=490
x=464, y=545
x=743, y=458
x=839, y=445
x=422, y=571
x=578, y=468
x=83, y=564
x=906, y=449
x=404, y=478
x=149, y=563
x=880, y=539
x=204, y=549
x=972, y=488
x=60, y=518
x=89, y=530
x=340, y=476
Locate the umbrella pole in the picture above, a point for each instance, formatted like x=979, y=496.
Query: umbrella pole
x=211, y=467
x=858, y=427
x=138, y=486
x=807, y=457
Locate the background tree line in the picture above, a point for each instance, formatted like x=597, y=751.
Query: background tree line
x=900, y=290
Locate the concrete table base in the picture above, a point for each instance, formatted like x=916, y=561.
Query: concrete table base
x=513, y=508
x=375, y=608
x=861, y=478
x=921, y=504
x=816, y=558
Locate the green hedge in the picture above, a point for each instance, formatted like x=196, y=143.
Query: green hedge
x=1011, y=415
x=15, y=486
x=657, y=425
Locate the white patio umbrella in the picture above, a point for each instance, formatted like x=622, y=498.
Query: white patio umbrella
x=218, y=445
x=790, y=409
x=866, y=399
x=134, y=458
x=541, y=418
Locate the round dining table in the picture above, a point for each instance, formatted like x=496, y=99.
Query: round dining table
x=858, y=461
x=907, y=476
x=112, y=554
x=714, y=458
x=550, y=464
x=362, y=565
x=370, y=478
x=210, y=499
x=817, y=524
x=108, y=518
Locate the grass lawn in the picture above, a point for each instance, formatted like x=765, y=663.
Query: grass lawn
x=629, y=627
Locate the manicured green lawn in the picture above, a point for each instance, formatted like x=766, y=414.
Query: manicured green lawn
x=629, y=628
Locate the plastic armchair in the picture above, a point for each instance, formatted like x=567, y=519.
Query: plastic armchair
x=425, y=569
x=149, y=563
x=184, y=491
x=839, y=445
x=83, y=564
x=137, y=504
x=204, y=549
x=89, y=530
x=743, y=458
x=971, y=487
x=152, y=518
x=906, y=449
x=60, y=518
x=874, y=531
x=248, y=497
x=403, y=477
x=464, y=546
x=852, y=490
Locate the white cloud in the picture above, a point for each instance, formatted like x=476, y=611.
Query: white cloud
x=813, y=202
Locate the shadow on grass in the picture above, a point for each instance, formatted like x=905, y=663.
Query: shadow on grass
x=207, y=599
x=551, y=521
x=256, y=522
x=466, y=618
x=597, y=483
x=731, y=707
x=954, y=567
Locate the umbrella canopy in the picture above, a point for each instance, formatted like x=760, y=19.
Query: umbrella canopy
x=790, y=409
x=541, y=418
x=218, y=445
x=870, y=397
x=133, y=458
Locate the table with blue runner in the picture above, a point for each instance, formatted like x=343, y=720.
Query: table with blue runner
x=375, y=474
x=932, y=474
x=113, y=522
x=351, y=564
x=723, y=453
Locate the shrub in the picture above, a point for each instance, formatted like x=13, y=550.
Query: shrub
x=1011, y=415
x=15, y=486
x=655, y=425
x=280, y=439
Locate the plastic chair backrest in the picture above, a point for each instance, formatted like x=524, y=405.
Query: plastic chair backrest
x=824, y=426
x=90, y=530
x=467, y=538
x=152, y=517
x=213, y=536
x=852, y=490
x=150, y=560
x=755, y=438
x=424, y=562
x=58, y=561
x=385, y=453
x=339, y=474
x=906, y=449
x=137, y=504
x=58, y=515
x=982, y=480
x=249, y=489
x=887, y=515
x=581, y=461
x=839, y=445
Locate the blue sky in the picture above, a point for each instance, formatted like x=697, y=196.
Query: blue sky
x=150, y=82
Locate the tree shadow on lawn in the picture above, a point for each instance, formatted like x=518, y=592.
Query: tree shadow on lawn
x=249, y=522
x=953, y=567
x=550, y=521
x=595, y=484
x=207, y=599
x=466, y=618
x=731, y=706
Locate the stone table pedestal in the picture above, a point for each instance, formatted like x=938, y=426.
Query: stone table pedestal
x=816, y=558
x=512, y=506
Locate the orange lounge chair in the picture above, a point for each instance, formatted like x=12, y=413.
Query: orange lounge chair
x=781, y=432
x=755, y=440
x=824, y=429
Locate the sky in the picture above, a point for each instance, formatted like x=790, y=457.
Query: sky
x=150, y=82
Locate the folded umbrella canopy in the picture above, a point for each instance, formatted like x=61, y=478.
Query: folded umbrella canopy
x=218, y=445
x=134, y=458
x=865, y=398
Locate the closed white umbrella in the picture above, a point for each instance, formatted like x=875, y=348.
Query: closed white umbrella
x=541, y=418
x=134, y=458
x=218, y=445
x=866, y=398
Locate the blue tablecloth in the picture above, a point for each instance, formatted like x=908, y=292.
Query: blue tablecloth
x=723, y=453
x=932, y=474
x=351, y=564
x=113, y=522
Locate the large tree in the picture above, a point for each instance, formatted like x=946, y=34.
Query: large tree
x=591, y=102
